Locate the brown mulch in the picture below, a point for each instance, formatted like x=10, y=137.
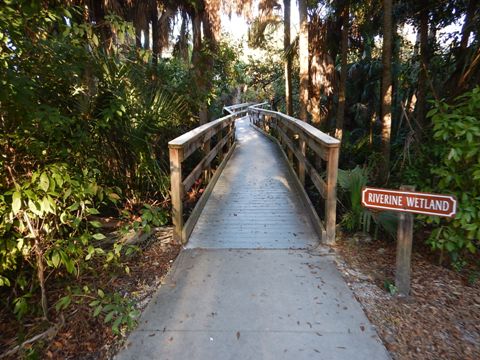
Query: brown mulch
x=81, y=336
x=441, y=318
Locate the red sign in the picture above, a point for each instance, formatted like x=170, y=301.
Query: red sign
x=409, y=201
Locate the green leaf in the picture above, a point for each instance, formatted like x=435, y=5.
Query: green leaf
x=64, y=218
x=44, y=182
x=101, y=293
x=55, y=259
x=97, y=310
x=98, y=236
x=74, y=206
x=116, y=324
x=35, y=207
x=92, y=211
x=147, y=229
x=96, y=224
x=113, y=197
x=95, y=40
x=63, y=303
x=16, y=202
x=4, y=281
x=67, y=193
x=450, y=246
x=58, y=179
x=471, y=247
x=110, y=256
x=109, y=316
x=67, y=261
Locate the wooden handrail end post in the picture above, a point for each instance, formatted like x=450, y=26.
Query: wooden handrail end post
x=176, y=158
x=331, y=201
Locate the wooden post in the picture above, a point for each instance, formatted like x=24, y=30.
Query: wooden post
x=176, y=157
x=331, y=200
x=301, y=165
x=233, y=128
x=206, y=149
x=280, y=138
x=404, y=249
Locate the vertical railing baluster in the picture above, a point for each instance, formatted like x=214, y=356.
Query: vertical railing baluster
x=301, y=165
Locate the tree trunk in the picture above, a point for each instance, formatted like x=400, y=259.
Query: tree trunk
x=465, y=57
x=469, y=24
x=197, y=38
x=138, y=35
x=156, y=34
x=210, y=42
x=180, y=49
x=288, y=58
x=343, y=73
x=141, y=23
x=164, y=28
x=303, y=57
x=146, y=35
x=199, y=67
x=386, y=95
x=97, y=15
x=422, y=75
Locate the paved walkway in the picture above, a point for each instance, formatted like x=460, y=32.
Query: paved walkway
x=250, y=285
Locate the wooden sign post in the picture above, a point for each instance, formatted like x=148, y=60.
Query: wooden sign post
x=406, y=201
x=404, y=249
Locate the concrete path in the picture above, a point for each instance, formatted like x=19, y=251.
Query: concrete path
x=250, y=285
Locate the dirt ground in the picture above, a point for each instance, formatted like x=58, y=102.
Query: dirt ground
x=441, y=318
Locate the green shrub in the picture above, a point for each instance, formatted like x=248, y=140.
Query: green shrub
x=356, y=217
x=455, y=169
x=44, y=224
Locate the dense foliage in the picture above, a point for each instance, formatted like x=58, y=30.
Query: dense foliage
x=84, y=128
x=436, y=73
x=455, y=156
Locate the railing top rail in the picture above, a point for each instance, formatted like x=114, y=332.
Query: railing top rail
x=237, y=106
x=192, y=135
x=325, y=139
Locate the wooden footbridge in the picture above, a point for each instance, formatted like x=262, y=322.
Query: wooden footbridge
x=266, y=163
x=249, y=284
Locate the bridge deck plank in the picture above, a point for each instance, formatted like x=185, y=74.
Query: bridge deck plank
x=255, y=203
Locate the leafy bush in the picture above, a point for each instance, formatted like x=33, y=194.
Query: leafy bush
x=44, y=224
x=77, y=121
x=83, y=129
x=85, y=103
x=356, y=217
x=455, y=169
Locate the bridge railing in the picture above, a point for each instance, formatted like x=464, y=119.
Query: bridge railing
x=214, y=140
x=239, y=109
x=310, y=152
